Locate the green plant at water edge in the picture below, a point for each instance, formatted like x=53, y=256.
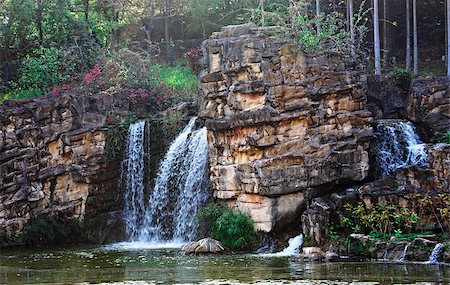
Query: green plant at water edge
x=52, y=230
x=116, y=131
x=234, y=230
x=381, y=218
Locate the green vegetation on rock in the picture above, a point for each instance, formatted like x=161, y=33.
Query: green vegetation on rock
x=234, y=230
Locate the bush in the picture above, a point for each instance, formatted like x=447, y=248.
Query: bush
x=51, y=231
x=442, y=139
x=234, y=230
x=402, y=78
x=40, y=70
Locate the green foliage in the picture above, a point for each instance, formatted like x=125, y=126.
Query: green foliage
x=442, y=139
x=41, y=69
x=176, y=77
x=234, y=230
x=116, y=136
x=402, y=78
x=52, y=231
x=210, y=213
x=381, y=218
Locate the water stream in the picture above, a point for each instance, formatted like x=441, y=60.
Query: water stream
x=398, y=145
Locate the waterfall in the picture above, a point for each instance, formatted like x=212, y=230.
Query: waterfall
x=398, y=145
x=181, y=185
x=436, y=253
x=133, y=169
x=293, y=248
x=405, y=251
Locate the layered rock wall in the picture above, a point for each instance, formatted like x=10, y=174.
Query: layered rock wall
x=51, y=158
x=282, y=126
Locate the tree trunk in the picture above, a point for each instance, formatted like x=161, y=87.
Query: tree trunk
x=376, y=32
x=39, y=16
x=385, y=33
x=86, y=15
x=318, y=15
x=262, y=12
x=416, y=48
x=408, y=36
x=352, y=28
x=166, y=27
x=448, y=37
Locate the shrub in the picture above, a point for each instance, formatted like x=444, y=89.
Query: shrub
x=442, y=139
x=381, y=218
x=40, y=70
x=52, y=230
x=234, y=230
x=402, y=78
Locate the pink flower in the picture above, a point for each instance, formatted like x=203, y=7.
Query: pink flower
x=66, y=87
x=160, y=97
x=95, y=70
x=88, y=78
x=144, y=95
x=55, y=90
x=110, y=120
x=142, y=71
x=133, y=95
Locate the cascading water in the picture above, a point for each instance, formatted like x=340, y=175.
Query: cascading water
x=436, y=253
x=133, y=169
x=293, y=248
x=180, y=189
x=398, y=145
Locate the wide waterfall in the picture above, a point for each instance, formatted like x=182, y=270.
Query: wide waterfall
x=398, y=144
x=169, y=214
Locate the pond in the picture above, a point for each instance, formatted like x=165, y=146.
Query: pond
x=142, y=265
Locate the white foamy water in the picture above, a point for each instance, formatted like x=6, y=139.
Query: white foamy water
x=293, y=248
x=398, y=145
x=136, y=245
x=168, y=216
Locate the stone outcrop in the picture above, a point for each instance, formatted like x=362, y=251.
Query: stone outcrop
x=428, y=105
x=282, y=126
x=51, y=159
x=410, y=187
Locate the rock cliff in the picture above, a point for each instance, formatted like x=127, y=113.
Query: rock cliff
x=283, y=126
x=51, y=159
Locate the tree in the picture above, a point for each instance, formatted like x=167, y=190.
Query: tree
x=448, y=37
x=416, y=48
x=376, y=32
x=408, y=36
x=385, y=33
x=318, y=15
x=351, y=27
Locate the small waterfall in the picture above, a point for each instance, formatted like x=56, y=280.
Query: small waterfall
x=398, y=145
x=180, y=189
x=405, y=250
x=293, y=248
x=436, y=253
x=133, y=169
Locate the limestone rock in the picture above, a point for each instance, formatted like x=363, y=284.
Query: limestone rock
x=316, y=219
x=428, y=104
x=282, y=126
x=51, y=151
x=203, y=246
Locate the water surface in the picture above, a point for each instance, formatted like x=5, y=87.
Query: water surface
x=166, y=266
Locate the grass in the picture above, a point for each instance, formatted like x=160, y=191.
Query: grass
x=176, y=77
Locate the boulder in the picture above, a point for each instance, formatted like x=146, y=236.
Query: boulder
x=312, y=254
x=203, y=246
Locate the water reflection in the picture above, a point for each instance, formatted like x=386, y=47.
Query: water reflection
x=97, y=265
